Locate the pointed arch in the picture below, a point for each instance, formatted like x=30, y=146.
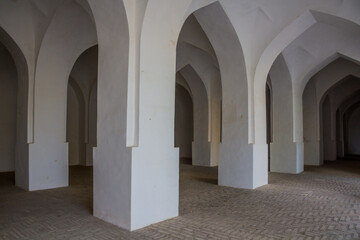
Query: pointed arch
x=22, y=152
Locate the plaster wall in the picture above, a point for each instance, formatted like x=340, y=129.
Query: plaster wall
x=137, y=59
x=112, y=162
x=8, y=106
x=157, y=176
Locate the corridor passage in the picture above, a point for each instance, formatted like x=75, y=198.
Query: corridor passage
x=320, y=203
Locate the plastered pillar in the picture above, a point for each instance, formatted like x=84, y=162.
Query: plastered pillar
x=311, y=131
x=236, y=165
x=112, y=160
x=329, y=128
x=285, y=153
x=154, y=165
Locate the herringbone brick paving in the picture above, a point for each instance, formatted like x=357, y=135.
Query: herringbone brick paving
x=321, y=203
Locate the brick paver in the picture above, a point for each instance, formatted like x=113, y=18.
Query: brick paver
x=321, y=203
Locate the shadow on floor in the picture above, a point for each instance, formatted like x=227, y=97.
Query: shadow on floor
x=186, y=161
x=343, y=167
x=199, y=173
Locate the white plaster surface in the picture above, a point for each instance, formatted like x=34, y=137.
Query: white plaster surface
x=284, y=151
x=135, y=162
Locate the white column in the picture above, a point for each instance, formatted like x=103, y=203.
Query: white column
x=310, y=126
x=285, y=153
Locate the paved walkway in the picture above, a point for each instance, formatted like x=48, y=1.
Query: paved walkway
x=321, y=203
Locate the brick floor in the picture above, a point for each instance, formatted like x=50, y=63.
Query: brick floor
x=321, y=203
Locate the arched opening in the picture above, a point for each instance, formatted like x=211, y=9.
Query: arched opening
x=197, y=105
x=326, y=97
x=325, y=129
x=340, y=122
x=14, y=116
x=81, y=120
x=220, y=61
x=294, y=43
x=184, y=123
x=331, y=103
x=339, y=126
x=8, y=106
x=75, y=123
x=352, y=131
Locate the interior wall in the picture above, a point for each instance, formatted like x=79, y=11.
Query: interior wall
x=353, y=135
x=8, y=102
x=183, y=121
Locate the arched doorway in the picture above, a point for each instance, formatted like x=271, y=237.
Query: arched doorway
x=14, y=117
x=352, y=131
x=183, y=124
x=197, y=105
x=81, y=121
x=8, y=106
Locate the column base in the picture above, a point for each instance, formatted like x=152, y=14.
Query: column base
x=48, y=165
x=201, y=154
x=241, y=166
x=286, y=157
